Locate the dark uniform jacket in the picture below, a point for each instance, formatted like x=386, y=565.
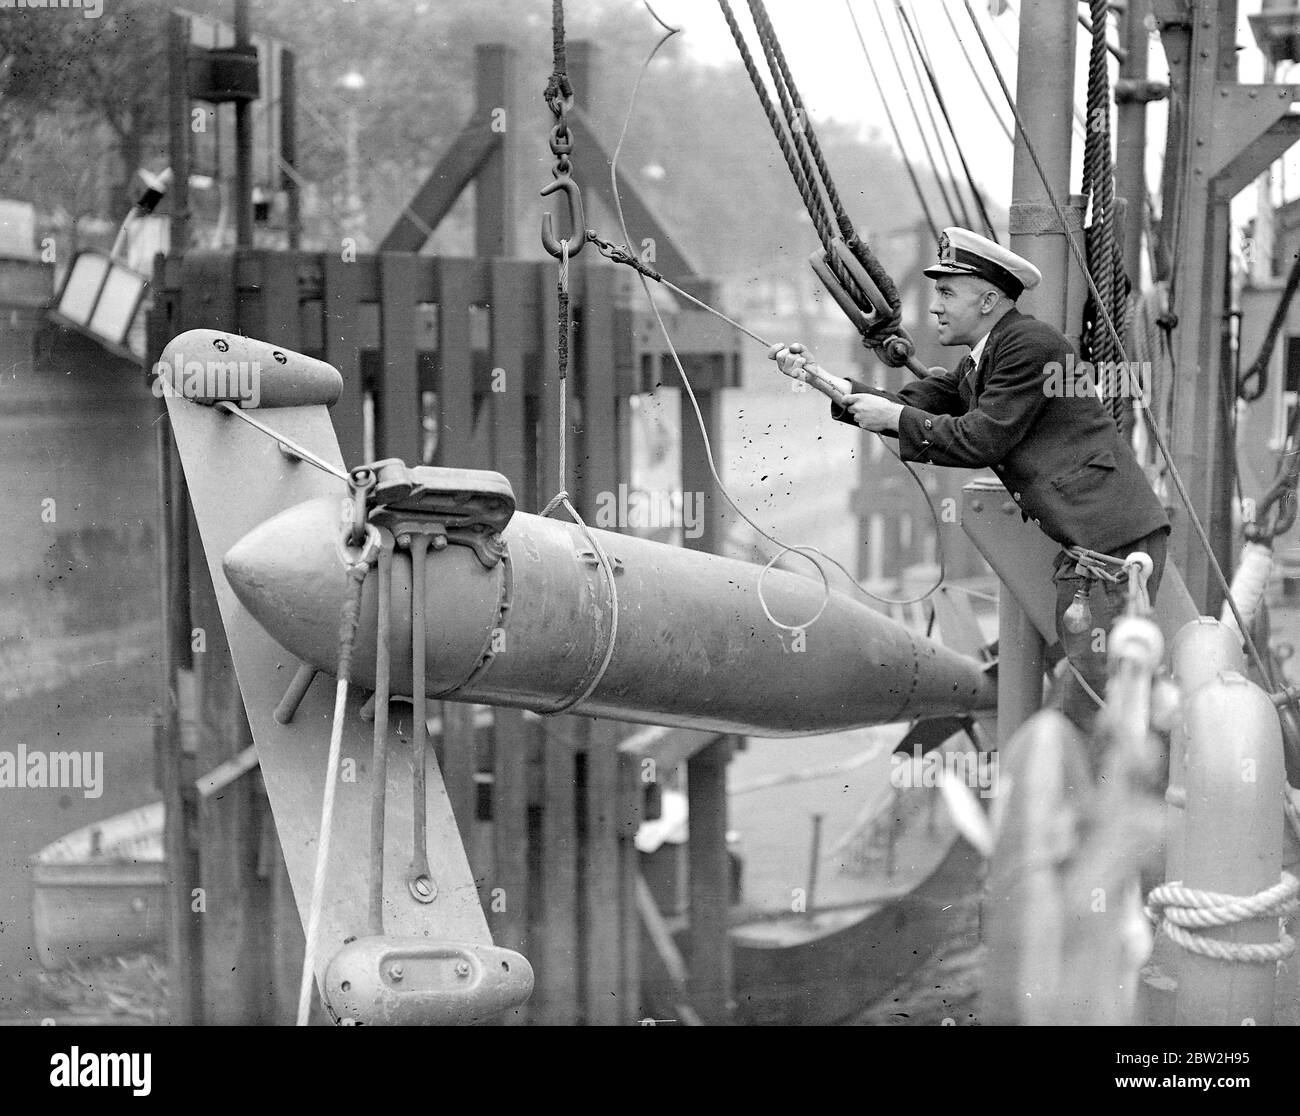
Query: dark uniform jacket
x=1061, y=458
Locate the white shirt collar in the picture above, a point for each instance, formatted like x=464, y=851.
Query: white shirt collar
x=978, y=350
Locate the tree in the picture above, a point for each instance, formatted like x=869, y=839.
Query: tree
x=111, y=71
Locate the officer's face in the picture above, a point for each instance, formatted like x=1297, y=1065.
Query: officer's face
x=960, y=306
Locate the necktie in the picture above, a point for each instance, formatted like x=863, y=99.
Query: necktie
x=966, y=367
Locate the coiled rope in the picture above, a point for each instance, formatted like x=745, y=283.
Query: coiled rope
x=1104, y=260
x=1181, y=910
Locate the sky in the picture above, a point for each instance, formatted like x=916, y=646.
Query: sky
x=826, y=60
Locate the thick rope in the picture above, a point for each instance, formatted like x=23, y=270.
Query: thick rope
x=347, y=634
x=798, y=167
x=801, y=126
x=793, y=103
x=1099, y=182
x=1181, y=909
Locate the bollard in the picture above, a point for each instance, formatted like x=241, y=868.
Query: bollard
x=1232, y=844
x=1202, y=649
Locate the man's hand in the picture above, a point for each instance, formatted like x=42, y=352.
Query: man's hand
x=871, y=412
x=792, y=360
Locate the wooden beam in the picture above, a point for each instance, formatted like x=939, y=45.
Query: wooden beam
x=665, y=747
x=669, y=260
x=495, y=187
x=455, y=170
x=710, y=882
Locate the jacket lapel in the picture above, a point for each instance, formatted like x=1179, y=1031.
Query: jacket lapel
x=981, y=369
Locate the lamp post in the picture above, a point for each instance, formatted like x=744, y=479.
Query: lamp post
x=350, y=87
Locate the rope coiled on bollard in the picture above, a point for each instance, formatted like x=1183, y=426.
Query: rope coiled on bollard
x=1181, y=909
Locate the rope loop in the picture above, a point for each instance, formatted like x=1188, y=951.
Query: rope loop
x=1180, y=910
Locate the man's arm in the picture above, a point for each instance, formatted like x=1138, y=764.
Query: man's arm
x=1012, y=398
x=935, y=393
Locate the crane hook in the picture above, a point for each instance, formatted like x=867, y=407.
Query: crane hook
x=577, y=226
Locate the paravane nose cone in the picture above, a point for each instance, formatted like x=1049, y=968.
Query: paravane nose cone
x=686, y=641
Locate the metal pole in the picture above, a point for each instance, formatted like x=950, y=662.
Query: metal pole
x=1045, y=96
x=814, y=855
x=1131, y=137
x=289, y=146
x=178, y=124
x=243, y=145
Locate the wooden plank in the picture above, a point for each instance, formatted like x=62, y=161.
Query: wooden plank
x=514, y=738
x=226, y=850
x=710, y=882
x=458, y=770
x=641, y=221
x=509, y=279
x=664, y=748
x=455, y=364
x=666, y=960
x=281, y=317
x=495, y=216
x=508, y=903
x=555, y=962
x=339, y=301
x=603, y=863
x=398, y=429
x=629, y=872
x=455, y=437
x=438, y=194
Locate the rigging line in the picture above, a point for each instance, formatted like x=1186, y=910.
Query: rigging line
x=792, y=160
x=699, y=416
x=970, y=63
x=893, y=124
x=911, y=52
x=1193, y=518
x=916, y=116
x=783, y=79
x=811, y=187
x=943, y=109
x=286, y=444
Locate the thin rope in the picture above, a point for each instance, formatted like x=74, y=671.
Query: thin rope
x=947, y=118
x=916, y=116
x=347, y=634
x=1265, y=671
x=699, y=416
x=988, y=97
x=893, y=124
x=561, y=498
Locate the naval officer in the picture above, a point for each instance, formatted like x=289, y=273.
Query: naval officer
x=1059, y=454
